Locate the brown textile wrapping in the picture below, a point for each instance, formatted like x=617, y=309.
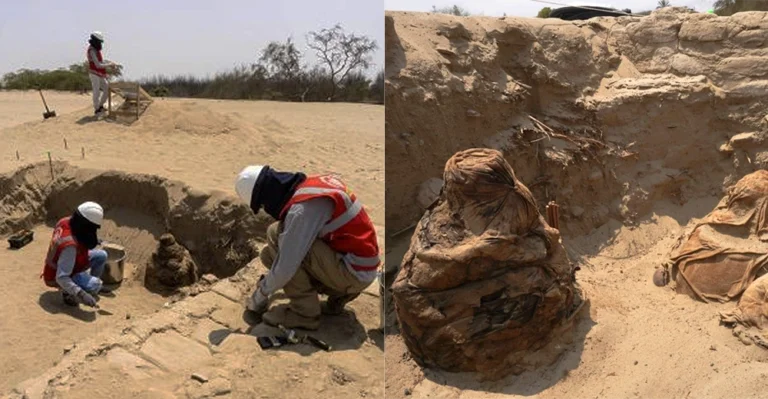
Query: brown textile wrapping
x=726, y=251
x=485, y=280
x=752, y=310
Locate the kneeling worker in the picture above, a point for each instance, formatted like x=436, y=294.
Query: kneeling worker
x=323, y=242
x=72, y=263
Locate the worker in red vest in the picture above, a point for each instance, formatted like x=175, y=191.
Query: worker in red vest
x=323, y=242
x=97, y=71
x=73, y=264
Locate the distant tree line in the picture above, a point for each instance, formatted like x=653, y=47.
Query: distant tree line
x=452, y=10
x=277, y=74
x=73, y=78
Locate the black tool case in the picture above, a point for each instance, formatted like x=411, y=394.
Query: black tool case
x=21, y=238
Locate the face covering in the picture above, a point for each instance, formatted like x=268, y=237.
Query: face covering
x=273, y=189
x=95, y=43
x=83, y=230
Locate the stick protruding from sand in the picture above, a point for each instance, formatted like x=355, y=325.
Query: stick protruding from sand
x=50, y=163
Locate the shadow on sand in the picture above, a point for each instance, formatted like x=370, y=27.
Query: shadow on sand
x=342, y=332
x=52, y=302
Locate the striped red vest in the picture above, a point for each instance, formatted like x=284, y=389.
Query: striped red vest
x=350, y=230
x=92, y=66
x=63, y=238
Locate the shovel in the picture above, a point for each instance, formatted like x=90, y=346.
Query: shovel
x=48, y=113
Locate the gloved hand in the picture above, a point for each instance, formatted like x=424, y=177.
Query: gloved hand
x=86, y=298
x=258, y=302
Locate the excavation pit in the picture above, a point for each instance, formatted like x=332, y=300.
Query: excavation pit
x=636, y=127
x=219, y=234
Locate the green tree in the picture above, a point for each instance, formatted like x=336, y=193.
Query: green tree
x=281, y=59
x=453, y=10
x=160, y=91
x=663, y=3
x=544, y=12
x=341, y=53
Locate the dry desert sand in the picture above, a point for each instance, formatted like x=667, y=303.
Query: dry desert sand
x=636, y=127
x=174, y=169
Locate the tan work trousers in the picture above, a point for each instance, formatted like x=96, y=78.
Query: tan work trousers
x=322, y=271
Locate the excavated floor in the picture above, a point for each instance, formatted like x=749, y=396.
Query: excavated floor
x=145, y=344
x=138, y=210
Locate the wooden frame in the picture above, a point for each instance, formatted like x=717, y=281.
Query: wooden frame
x=132, y=94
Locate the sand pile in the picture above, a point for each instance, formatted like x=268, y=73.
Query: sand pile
x=486, y=281
x=188, y=117
x=220, y=234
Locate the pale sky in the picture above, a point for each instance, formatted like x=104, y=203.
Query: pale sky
x=172, y=37
x=529, y=8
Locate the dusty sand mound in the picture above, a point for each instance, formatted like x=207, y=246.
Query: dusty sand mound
x=634, y=126
x=187, y=117
x=220, y=234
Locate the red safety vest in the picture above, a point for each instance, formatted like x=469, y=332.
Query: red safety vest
x=92, y=65
x=63, y=238
x=350, y=230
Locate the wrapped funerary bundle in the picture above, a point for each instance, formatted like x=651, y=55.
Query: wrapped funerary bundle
x=486, y=281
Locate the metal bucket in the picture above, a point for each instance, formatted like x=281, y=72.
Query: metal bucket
x=113, y=270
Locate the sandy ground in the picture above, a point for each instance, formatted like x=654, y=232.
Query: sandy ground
x=206, y=142
x=203, y=143
x=28, y=351
x=635, y=341
x=26, y=106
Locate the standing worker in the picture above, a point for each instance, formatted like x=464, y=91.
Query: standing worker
x=72, y=263
x=97, y=71
x=323, y=242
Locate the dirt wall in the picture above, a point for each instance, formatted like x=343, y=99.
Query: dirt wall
x=222, y=234
x=604, y=116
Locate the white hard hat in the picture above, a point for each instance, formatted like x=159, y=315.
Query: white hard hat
x=98, y=35
x=246, y=180
x=92, y=211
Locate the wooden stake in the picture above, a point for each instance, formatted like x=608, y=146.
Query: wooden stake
x=82, y=152
x=66, y=147
x=17, y=155
x=553, y=215
x=138, y=90
x=50, y=163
